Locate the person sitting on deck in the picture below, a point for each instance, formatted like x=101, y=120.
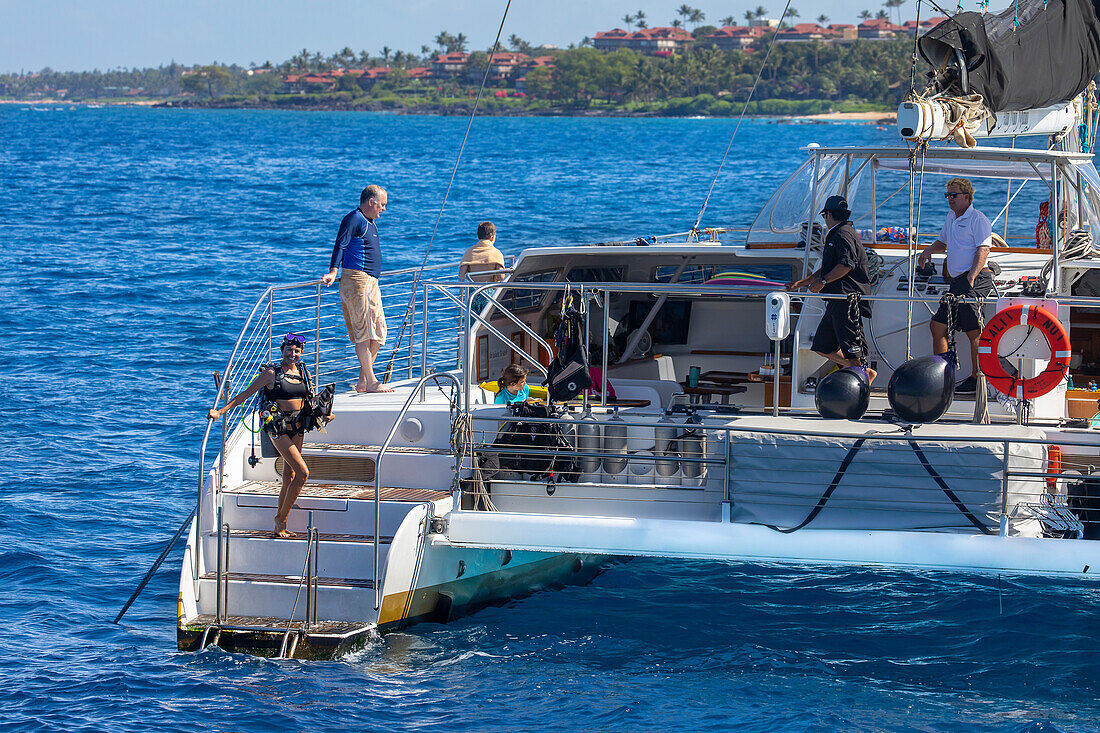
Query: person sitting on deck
x=843, y=270
x=483, y=257
x=513, y=385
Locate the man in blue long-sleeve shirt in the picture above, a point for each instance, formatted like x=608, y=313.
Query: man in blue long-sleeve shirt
x=358, y=252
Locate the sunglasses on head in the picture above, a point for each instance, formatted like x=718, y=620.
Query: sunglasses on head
x=292, y=338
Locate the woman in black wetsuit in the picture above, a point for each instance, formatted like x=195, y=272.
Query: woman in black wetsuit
x=287, y=385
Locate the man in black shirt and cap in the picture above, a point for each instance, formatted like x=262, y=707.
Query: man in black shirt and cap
x=843, y=270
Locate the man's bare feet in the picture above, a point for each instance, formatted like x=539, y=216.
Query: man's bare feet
x=376, y=387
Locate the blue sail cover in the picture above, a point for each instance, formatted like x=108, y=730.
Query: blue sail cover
x=1032, y=55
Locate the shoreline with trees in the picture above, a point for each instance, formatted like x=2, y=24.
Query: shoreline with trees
x=653, y=72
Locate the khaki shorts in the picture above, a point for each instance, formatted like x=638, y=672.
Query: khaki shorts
x=362, y=303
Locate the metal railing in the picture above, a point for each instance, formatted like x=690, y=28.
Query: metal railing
x=309, y=581
x=221, y=576
x=979, y=482
x=414, y=394
x=311, y=309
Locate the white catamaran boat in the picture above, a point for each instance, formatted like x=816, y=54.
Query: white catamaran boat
x=430, y=502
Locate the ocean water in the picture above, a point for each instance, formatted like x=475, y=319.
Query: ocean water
x=133, y=242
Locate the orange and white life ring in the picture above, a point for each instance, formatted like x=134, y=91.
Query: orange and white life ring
x=1057, y=339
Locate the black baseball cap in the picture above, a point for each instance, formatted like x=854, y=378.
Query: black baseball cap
x=836, y=205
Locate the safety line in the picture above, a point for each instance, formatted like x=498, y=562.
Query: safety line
x=416, y=278
x=741, y=117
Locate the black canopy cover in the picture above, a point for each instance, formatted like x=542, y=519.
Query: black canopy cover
x=1050, y=58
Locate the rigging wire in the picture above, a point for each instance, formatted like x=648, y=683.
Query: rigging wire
x=410, y=308
x=752, y=91
x=913, y=65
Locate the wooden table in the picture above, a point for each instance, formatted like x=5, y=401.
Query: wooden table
x=704, y=391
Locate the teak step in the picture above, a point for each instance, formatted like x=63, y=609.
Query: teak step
x=270, y=623
x=363, y=491
x=352, y=450
x=266, y=534
x=293, y=580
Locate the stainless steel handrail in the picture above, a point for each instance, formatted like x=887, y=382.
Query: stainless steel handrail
x=307, y=580
x=493, y=330
x=436, y=376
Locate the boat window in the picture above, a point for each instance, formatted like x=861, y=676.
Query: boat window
x=669, y=326
x=515, y=300
x=595, y=275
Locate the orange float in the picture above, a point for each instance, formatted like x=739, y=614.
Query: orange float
x=1057, y=339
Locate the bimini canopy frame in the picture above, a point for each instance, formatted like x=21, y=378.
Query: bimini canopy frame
x=1071, y=180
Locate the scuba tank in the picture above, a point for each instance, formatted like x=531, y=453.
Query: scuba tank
x=693, y=444
x=664, y=435
x=588, y=441
x=614, y=445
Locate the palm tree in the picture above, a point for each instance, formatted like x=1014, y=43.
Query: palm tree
x=822, y=20
x=728, y=20
x=677, y=23
x=386, y=51
x=629, y=20
x=684, y=11
x=460, y=42
x=882, y=15
x=750, y=16
x=639, y=18
x=697, y=17
x=760, y=11
x=865, y=15
x=891, y=4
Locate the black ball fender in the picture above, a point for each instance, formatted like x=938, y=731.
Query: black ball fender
x=843, y=394
x=921, y=389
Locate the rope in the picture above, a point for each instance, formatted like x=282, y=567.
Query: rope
x=947, y=489
x=952, y=303
x=737, y=127
x=410, y=309
x=981, y=397
x=848, y=458
x=855, y=316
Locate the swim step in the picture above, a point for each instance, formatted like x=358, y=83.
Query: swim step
x=301, y=537
x=273, y=594
x=354, y=450
x=293, y=580
x=256, y=552
x=360, y=490
x=265, y=635
x=349, y=462
x=272, y=624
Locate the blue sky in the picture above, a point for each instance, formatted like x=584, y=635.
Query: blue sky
x=87, y=34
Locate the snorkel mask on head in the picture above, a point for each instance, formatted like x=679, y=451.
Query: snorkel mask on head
x=295, y=339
